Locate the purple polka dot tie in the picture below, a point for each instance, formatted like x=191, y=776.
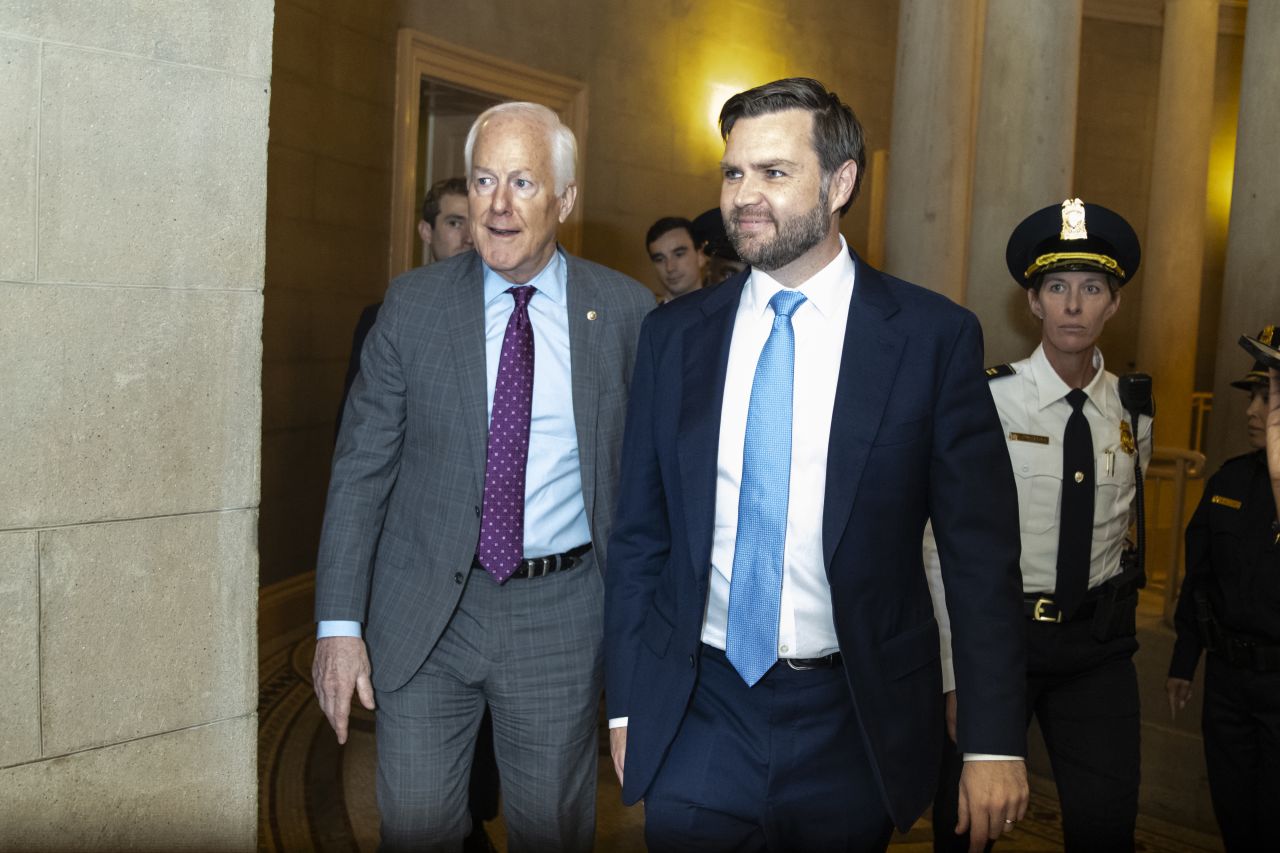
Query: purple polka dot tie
x=501, y=544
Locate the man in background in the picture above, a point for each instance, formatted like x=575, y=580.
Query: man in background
x=445, y=231
x=721, y=258
x=675, y=256
x=444, y=228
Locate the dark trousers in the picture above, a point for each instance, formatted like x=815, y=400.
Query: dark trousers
x=1242, y=752
x=1084, y=694
x=779, y=766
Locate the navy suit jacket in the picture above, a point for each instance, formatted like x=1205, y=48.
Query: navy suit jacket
x=914, y=435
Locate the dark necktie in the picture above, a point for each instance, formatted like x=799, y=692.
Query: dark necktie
x=1075, y=530
x=501, y=546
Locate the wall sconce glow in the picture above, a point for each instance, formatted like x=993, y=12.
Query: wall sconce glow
x=720, y=92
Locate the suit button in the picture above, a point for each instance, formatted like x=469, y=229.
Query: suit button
x=457, y=577
x=477, y=508
x=690, y=660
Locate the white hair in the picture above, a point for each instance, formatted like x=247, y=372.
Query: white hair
x=564, y=147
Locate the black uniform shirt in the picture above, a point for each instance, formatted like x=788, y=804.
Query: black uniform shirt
x=1232, y=555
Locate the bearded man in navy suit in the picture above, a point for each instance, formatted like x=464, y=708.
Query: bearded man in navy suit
x=772, y=665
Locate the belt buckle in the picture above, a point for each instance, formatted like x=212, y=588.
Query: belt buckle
x=798, y=668
x=541, y=564
x=1038, y=614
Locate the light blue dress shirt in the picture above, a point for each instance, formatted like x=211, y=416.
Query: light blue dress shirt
x=555, y=516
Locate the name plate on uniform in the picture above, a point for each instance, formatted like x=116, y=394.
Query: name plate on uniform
x=1034, y=439
x=1227, y=502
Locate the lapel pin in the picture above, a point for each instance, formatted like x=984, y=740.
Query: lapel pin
x=591, y=315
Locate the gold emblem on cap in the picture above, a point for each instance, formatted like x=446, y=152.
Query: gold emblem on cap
x=1126, y=439
x=1268, y=334
x=1073, y=220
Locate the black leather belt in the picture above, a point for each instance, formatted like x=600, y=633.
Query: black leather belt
x=1247, y=653
x=825, y=662
x=1042, y=608
x=537, y=567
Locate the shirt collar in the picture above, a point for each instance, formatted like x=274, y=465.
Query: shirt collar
x=550, y=281
x=1051, y=388
x=822, y=289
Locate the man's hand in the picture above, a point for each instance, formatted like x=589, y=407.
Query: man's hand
x=618, y=749
x=341, y=665
x=993, y=796
x=1179, y=690
x=951, y=715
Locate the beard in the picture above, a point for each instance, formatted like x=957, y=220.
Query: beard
x=793, y=236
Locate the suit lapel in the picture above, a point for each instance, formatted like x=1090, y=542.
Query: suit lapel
x=464, y=309
x=706, y=358
x=581, y=294
x=868, y=369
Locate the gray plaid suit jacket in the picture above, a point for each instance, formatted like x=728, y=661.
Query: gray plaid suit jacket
x=403, y=512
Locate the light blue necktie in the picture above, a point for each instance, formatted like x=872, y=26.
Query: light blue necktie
x=755, y=592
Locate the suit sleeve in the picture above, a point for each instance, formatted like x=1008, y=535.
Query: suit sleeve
x=974, y=510
x=641, y=539
x=1187, y=645
x=365, y=464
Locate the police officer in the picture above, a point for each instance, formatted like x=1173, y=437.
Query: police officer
x=1230, y=606
x=1073, y=448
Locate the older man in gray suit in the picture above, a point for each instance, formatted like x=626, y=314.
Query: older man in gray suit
x=470, y=505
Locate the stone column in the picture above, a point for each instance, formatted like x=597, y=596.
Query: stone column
x=1173, y=254
x=1025, y=152
x=1251, y=285
x=133, y=143
x=931, y=144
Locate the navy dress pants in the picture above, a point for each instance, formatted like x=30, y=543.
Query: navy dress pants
x=779, y=766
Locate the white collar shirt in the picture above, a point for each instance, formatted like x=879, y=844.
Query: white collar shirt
x=1033, y=412
x=806, y=627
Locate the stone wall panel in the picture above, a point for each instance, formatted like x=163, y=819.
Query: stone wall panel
x=20, y=640
x=188, y=790
x=146, y=626
x=19, y=117
x=150, y=174
x=127, y=402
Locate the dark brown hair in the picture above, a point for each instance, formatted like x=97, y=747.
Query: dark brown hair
x=837, y=133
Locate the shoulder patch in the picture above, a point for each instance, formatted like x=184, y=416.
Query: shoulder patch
x=1000, y=370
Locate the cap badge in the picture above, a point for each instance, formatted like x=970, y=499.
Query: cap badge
x=1073, y=220
x=1267, y=336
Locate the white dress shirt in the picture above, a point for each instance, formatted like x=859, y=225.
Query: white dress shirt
x=806, y=628
x=1033, y=411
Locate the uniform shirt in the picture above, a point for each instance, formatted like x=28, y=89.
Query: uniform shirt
x=1234, y=558
x=806, y=627
x=555, y=515
x=1033, y=411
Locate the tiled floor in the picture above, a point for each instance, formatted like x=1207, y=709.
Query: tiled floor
x=315, y=796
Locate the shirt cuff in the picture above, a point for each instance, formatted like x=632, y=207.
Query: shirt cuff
x=982, y=756
x=618, y=722
x=337, y=628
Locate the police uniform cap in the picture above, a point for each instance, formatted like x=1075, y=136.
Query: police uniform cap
x=709, y=233
x=1264, y=350
x=1073, y=235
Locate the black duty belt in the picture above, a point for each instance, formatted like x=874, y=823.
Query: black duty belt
x=1244, y=652
x=537, y=567
x=825, y=662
